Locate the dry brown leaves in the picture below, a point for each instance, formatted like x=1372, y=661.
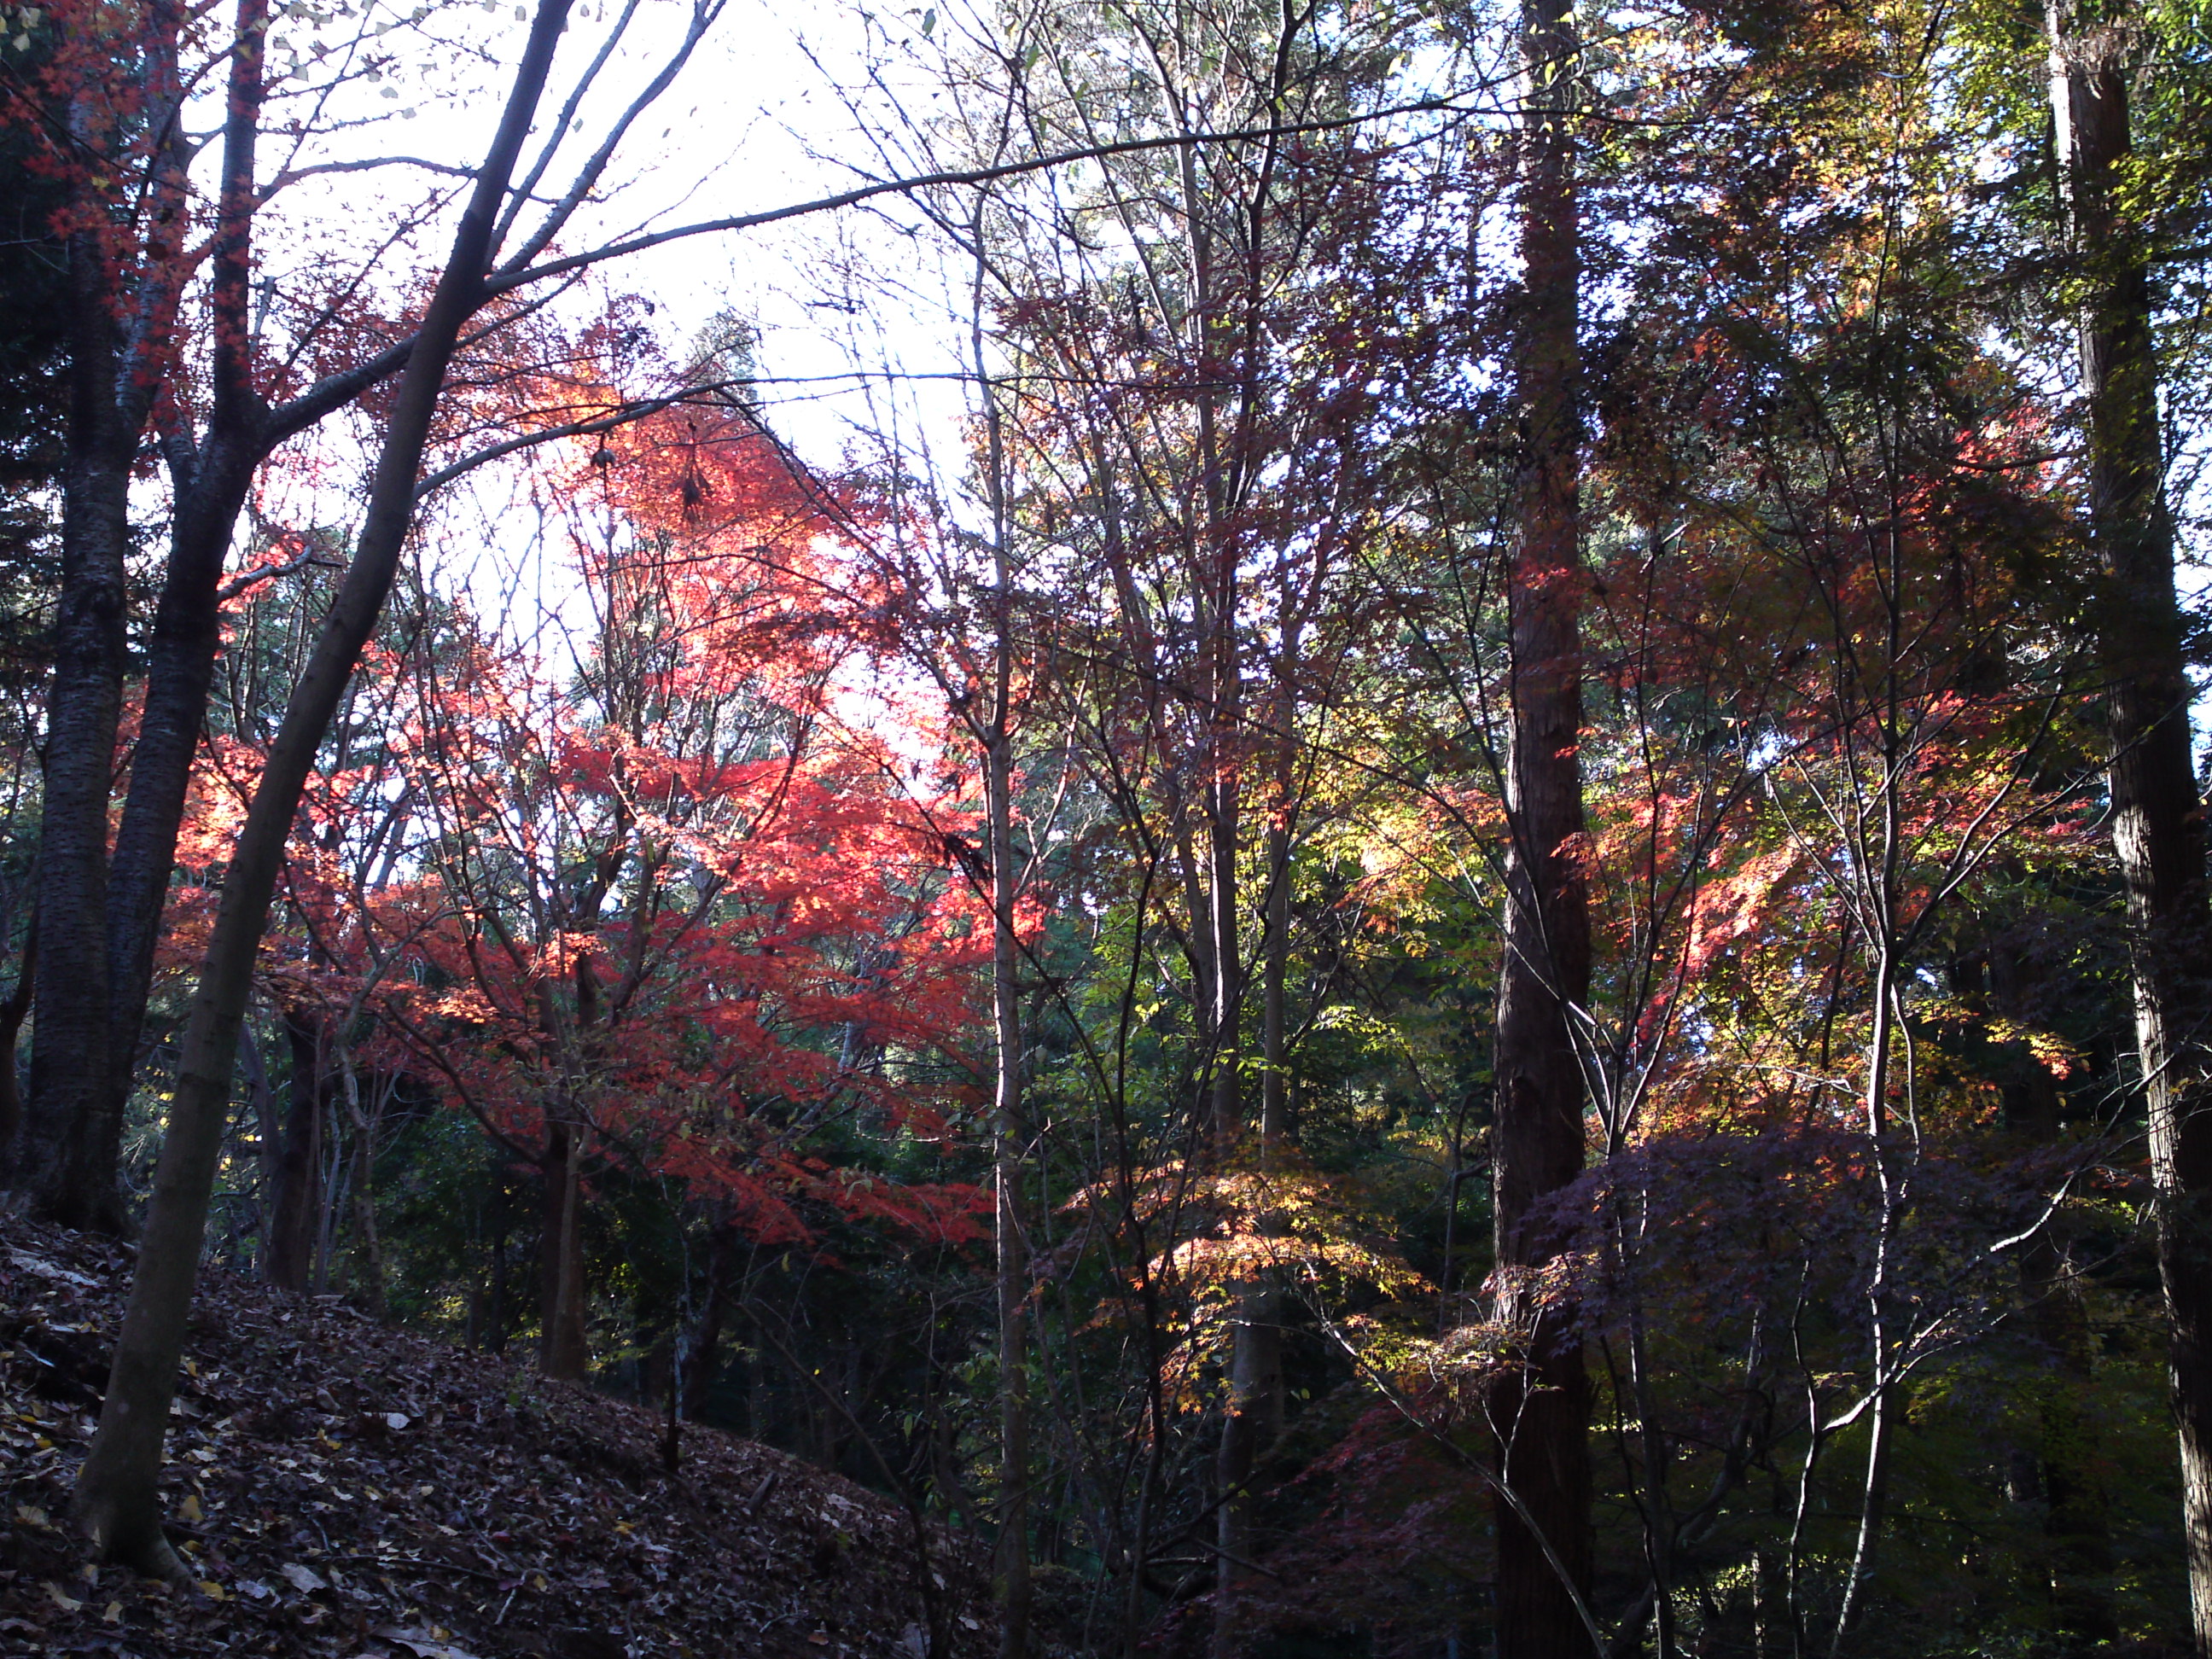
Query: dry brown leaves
x=340, y=1489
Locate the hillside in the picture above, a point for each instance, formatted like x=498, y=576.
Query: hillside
x=346, y=1490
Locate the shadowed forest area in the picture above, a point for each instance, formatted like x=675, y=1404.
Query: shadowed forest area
x=1379, y=835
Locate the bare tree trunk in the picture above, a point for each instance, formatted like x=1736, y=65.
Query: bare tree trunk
x=296, y=1209
x=699, y=1356
x=187, y=631
x=91, y=1007
x=564, y=1345
x=495, y=1298
x=117, y=1496
x=1255, y=1372
x=11, y=1026
x=1540, y=1409
x=2157, y=828
x=210, y=481
x=1009, y=1128
x=261, y=1111
x=57, y=1162
x=1010, y=1148
x=369, y=1250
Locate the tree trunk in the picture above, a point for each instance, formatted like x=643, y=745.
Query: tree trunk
x=1540, y=1410
x=564, y=1345
x=296, y=1209
x=1010, y=1146
x=1255, y=1365
x=117, y=1496
x=2157, y=828
x=11, y=1026
x=700, y=1354
x=91, y=1007
x=368, y=1249
x=187, y=633
x=59, y=1161
x=1009, y=1129
x=495, y=1298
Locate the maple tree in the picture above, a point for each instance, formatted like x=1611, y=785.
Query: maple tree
x=1475, y=926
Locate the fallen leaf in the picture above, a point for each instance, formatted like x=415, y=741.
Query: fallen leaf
x=114, y=1613
x=213, y=1591
x=189, y=1509
x=61, y=1598
x=48, y=1270
x=31, y=1516
x=423, y=1644
x=306, y=1580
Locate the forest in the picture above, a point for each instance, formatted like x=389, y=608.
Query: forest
x=1378, y=837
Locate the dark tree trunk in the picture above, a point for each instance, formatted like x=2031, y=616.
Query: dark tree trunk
x=700, y=1357
x=64, y=1161
x=563, y=1347
x=1010, y=1163
x=2157, y=824
x=91, y=1007
x=297, y=1205
x=1542, y=1410
x=180, y=668
x=11, y=1026
x=495, y=1314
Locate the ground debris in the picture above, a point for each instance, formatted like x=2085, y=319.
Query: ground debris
x=347, y=1492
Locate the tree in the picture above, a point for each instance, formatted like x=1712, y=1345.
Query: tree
x=2157, y=830
x=118, y=1496
x=153, y=304
x=1541, y=1414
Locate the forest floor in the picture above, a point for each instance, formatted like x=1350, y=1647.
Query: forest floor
x=342, y=1489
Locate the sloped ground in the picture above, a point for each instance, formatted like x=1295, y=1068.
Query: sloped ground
x=340, y=1489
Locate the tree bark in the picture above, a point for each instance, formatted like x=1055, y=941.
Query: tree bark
x=1540, y=1408
x=700, y=1354
x=564, y=1346
x=57, y=1162
x=117, y=1497
x=12, y=1013
x=297, y=1206
x=1010, y=1148
x=91, y=999
x=368, y=1248
x=2157, y=821
x=994, y=728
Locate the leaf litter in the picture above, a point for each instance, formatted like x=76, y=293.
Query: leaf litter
x=344, y=1490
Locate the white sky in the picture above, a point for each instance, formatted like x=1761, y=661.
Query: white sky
x=757, y=120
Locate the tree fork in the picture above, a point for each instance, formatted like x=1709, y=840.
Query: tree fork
x=117, y=1497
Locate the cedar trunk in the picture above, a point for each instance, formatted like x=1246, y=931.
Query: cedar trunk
x=1540, y=1410
x=2157, y=828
